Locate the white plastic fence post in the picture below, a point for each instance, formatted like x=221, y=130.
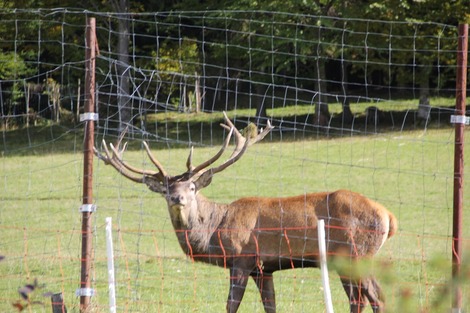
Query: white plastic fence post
x=324, y=267
x=110, y=255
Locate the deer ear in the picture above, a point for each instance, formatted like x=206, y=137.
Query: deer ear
x=204, y=180
x=154, y=185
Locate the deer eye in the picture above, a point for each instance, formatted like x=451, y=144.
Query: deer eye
x=192, y=188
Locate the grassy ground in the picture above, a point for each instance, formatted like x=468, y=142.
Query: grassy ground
x=410, y=171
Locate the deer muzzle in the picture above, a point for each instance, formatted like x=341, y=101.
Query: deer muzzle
x=177, y=202
x=177, y=205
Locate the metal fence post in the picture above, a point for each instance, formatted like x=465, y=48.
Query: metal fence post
x=460, y=120
x=85, y=292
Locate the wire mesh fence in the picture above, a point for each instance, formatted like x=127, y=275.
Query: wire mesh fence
x=357, y=104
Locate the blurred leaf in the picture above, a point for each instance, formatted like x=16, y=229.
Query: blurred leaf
x=18, y=305
x=25, y=291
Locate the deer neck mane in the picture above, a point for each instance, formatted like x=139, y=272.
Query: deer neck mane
x=195, y=230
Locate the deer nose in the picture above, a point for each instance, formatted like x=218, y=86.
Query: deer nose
x=178, y=199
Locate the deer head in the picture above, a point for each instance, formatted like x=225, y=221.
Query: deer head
x=180, y=191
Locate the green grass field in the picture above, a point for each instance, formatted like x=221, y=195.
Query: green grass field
x=410, y=172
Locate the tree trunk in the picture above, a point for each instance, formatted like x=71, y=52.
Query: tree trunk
x=424, y=81
x=322, y=114
x=197, y=93
x=346, y=116
x=28, y=92
x=424, y=107
x=123, y=73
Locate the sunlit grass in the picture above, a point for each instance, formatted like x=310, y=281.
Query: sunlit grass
x=292, y=110
x=410, y=172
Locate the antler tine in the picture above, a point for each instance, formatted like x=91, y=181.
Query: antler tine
x=189, y=161
x=121, y=137
x=100, y=156
x=127, y=170
x=161, y=174
x=195, y=170
x=117, y=163
x=155, y=161
x=117, y=155
x=233, y=158
x=261, y=134
x=241, y=143
x=241, y=140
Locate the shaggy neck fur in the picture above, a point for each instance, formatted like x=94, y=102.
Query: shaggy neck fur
x=196, y=224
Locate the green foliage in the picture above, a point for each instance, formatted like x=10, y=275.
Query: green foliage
x=256, y=43
x=177, y=65
x=12, y=69
x=250, y=131
x=181, y=59
x=12, y=66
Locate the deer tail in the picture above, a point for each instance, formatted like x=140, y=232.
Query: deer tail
x=393, y=225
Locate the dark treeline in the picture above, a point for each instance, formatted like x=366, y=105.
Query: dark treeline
x=158, y=55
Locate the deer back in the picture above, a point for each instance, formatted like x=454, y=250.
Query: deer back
x=275, y=228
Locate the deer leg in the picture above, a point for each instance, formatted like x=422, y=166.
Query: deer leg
x=238, y=281
x=357, y=300
x=265, y=284
x=373, y=292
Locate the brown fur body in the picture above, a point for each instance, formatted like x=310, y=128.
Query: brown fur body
x=284, y=227
x=257, y=236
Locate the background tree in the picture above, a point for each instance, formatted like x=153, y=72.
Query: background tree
x=123, y=67
x=272, y=44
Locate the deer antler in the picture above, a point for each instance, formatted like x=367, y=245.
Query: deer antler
x=205, y=164
x=241, y=144
x=144, y=176
x=127, y=170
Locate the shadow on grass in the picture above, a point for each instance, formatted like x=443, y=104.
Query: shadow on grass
x=168, y=130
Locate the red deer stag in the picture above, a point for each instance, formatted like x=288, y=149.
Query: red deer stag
x=257, y=236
